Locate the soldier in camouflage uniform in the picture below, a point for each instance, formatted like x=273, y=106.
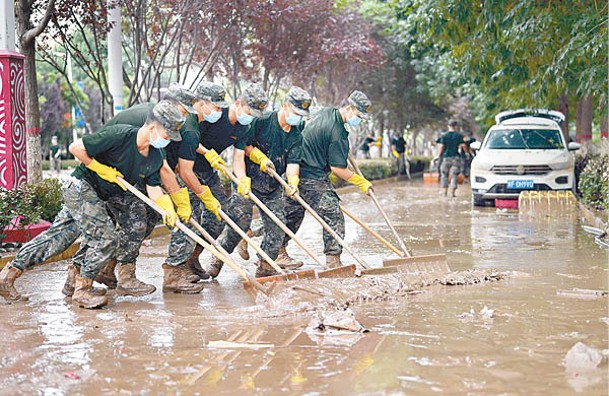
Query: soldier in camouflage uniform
x=274, y=141
x=182, y=157
x=325, y=149
x=117, y=150
x=225, y=126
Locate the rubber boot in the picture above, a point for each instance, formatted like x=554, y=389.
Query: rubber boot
x=214, y=268
x=333, y=260
x=129, y=285
x=175, y=280
x=287, y=262
x=194, y=265
x=106, y=275
x=242, y=247
x=7, y=278
x=69, y=285
x=264, y=269
x=83, y=295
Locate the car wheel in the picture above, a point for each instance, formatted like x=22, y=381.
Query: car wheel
x=479, y=201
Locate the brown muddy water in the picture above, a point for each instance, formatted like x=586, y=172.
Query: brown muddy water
x=502, y=337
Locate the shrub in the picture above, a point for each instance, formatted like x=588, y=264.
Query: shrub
x=594, y=182
x=31, y=203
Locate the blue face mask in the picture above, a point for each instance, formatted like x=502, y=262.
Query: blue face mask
x=354, y=121
x=159, y=142
x=293, y=119
x=245, y=119
x=213, y=117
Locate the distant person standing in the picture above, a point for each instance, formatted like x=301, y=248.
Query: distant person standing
x=365, y=147
x=399, y=146
x=449, y=146
x=55, y=155
x=468, y=154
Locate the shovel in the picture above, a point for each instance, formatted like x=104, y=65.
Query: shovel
x=406, y=262
x=250, y=280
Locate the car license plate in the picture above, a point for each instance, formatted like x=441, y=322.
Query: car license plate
x=520, y=184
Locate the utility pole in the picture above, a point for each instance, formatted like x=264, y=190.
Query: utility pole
x=115, y=62
x=13, y=159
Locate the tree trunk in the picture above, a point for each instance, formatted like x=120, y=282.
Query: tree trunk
x=583, y=130
x=564, y=108
x=604, y=124
x=32, y=113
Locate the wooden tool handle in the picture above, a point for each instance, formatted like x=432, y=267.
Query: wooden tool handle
x=321, y=221
x=371, y=231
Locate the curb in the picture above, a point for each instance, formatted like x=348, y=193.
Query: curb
x=593, y=217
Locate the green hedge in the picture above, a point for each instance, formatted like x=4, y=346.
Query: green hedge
x=33, y=202
x=593, y=182
x=65, y=164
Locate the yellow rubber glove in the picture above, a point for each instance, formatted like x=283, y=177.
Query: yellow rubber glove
x=293, y=184
x=258, y=157
x=210, y=202
x=361, y=182
x=215, y=160
x=167, y=205
x=245, y=186
x=107, y=173
x=182, y=202
x=395, y=153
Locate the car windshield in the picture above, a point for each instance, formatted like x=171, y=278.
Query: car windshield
x=518, y=139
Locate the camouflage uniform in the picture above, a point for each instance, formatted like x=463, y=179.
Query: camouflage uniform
x=89, y=212
x=62, y=233
x=181, y=247
x=134, y=218
x=323, y=199
x=135, y=222
x=240, y=211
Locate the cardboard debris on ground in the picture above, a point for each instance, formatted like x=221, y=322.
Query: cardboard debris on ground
x=237, y=345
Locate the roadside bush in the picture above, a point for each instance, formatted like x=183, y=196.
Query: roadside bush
x=31, y=203
x=65, y=164
x=594, y=182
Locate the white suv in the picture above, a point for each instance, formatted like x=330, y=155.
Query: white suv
x=524, y=150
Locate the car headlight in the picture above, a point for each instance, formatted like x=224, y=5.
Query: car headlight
x=561, y=165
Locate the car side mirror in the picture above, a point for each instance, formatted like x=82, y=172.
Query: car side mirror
x=476, y=145
x=574, y=146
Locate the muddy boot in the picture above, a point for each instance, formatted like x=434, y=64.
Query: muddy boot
x=333, y=260
x=264, y=269
x=175, y=280
x=214, y=267
x=194, y=265
x=242, y=250
x=242, y=247
x=129, y=285
x=68, y=287
x=7, y=278
x=286, y=262
x=84, y=296
x=106, y=276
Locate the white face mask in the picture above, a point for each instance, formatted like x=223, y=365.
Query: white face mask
x=159, y=142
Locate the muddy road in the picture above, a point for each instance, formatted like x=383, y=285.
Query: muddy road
x=503, y=337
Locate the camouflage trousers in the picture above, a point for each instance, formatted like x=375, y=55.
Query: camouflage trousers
x=181, y=247
x=64, y=231
x=89, y=212
x=320, y=195
x=452, y=166
x=240, y=211
x=135, y=221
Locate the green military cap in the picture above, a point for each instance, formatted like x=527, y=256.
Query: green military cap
x=256, y=99
x=215, y=93
x=183, y=95
x=300, y=100
x=170, y=117
x=360, y=101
